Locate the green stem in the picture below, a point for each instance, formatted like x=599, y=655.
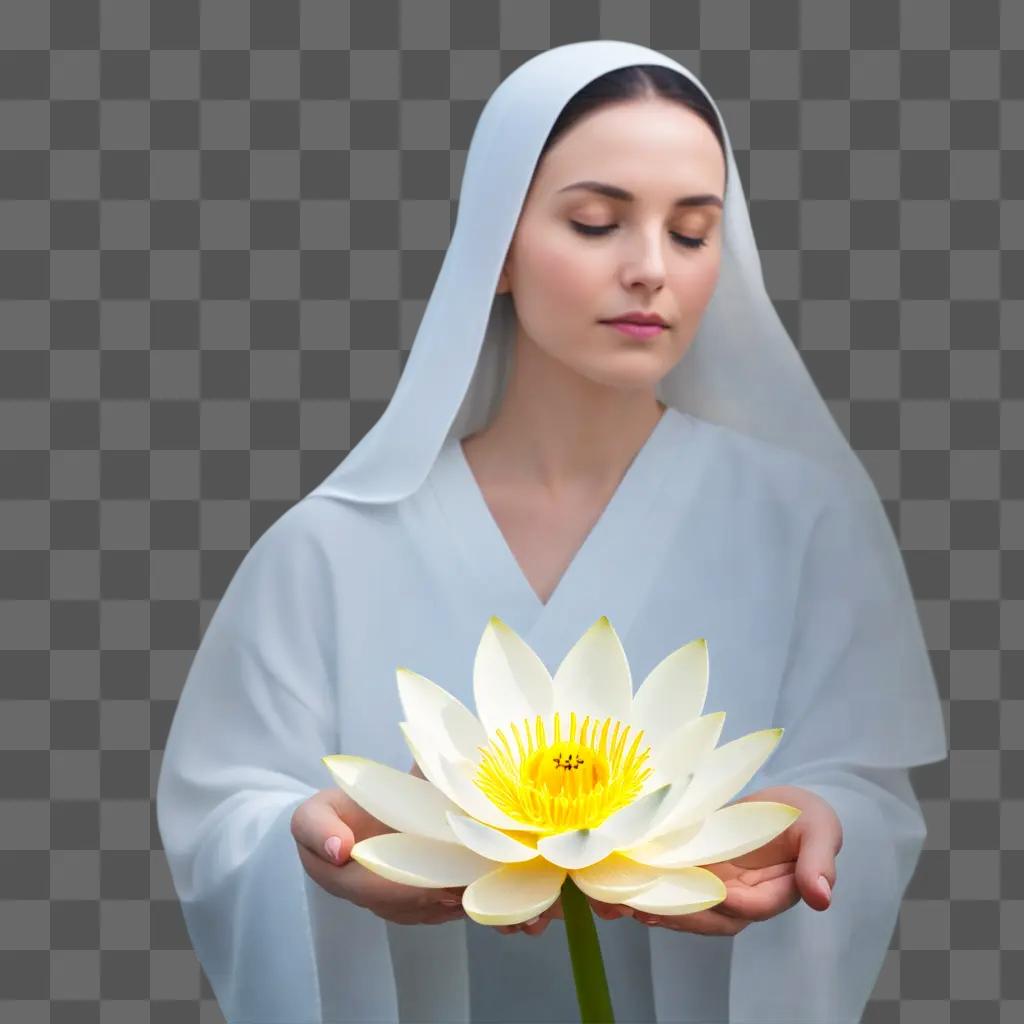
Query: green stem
x=585, y=952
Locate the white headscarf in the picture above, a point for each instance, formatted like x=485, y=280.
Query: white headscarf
x=741, y=370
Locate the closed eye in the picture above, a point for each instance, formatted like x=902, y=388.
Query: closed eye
x=590, y=230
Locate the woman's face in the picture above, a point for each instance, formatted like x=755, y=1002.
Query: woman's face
x=656, y=256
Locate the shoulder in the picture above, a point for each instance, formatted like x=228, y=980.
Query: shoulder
x=321, y=529
x=840, y=517
x=298, y=568
x=758, y=468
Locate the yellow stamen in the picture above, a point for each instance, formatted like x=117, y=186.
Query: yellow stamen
x=566, y=784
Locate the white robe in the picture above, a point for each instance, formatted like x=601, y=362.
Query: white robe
x=702, y=538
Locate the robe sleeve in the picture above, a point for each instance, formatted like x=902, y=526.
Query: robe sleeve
x=255, y=717
x=859, y=706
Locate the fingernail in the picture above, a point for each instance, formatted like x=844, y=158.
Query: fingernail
x=332, y=846
x=824, y=886
x=533, y=920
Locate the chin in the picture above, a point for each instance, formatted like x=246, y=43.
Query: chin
x=626, y=378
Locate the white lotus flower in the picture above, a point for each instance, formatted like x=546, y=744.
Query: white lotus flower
x=540, y=783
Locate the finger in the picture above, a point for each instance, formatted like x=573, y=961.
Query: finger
x=610, y=911
x=760, y=902
x=315, y=822
x=359, y=820
x=335, y=879
x=350, y=881
x=757, y=875
x=451, y=896
x=537, y=926
x=816, y=860
x=704, y=922
x=739, y=902
x=722, y=924
x=726, y=911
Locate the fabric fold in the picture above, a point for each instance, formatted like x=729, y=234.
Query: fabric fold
x=255, y=716
x=859, y=705
x=858, y=688
x=808, y=966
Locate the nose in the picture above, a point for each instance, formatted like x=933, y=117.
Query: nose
x=645, y=259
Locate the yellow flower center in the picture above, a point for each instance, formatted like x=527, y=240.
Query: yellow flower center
x=566, y=784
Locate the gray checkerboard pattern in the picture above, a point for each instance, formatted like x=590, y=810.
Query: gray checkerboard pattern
x=219, y=225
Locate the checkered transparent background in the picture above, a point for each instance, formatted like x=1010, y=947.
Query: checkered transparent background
x=219, y=225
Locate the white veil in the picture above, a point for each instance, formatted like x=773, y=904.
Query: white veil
x=741, y=371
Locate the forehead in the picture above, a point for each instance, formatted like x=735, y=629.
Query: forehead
x=651, y=142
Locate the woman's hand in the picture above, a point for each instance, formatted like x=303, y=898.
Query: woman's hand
x=774, y=877
x=331, y=814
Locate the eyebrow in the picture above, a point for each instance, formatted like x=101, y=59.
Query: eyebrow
x=614, y=192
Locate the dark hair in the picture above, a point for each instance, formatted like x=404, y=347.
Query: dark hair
x=635, y=82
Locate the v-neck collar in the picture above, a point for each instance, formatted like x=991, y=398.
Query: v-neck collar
x=614, y=553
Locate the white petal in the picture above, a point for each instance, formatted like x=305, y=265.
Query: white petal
x=577, y=848
x=455, y=780
x=653, y=851
x=510, y=682
x=489, y=842
x=458, y=777
x=630, y=823
x=615, y=878
x=683, y=891
x=427, y=754
x=673, y=693
x=677, y=756
x=453, y=728
x=416, y=860
x=400, y=800
x=721, y=775
x=594, y=679
x=728, y=833
x=513, y=892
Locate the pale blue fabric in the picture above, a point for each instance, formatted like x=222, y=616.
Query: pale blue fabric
x=528, y=978
x=746, y=519
x=299, y=661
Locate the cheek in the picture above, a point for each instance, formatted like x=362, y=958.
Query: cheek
x=695, y=284
x=560, y=271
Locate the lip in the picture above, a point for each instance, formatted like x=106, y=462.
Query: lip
x=635, y=330
x=636, y=316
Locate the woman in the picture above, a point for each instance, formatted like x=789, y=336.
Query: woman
x=540, y=464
